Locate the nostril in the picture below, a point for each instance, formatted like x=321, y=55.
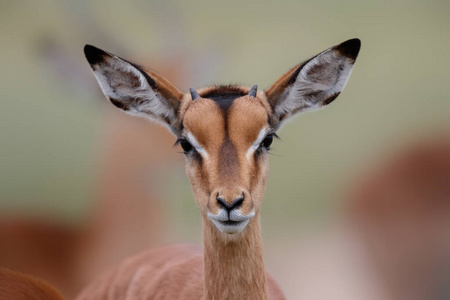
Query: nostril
x=235, y=204
x=222, y=202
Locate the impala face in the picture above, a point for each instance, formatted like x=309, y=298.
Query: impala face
x=226, y=137
x=225, y=131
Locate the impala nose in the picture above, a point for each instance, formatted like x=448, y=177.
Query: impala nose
x=236, y=203
x=230, y=209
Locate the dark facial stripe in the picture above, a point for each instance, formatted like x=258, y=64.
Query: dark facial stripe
x=224, y=95
x=225, y=101
x=228, y=161
x=256, y=168
x=203, y=178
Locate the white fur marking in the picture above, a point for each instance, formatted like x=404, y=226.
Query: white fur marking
x=240, y=221
x=261, y=136
x=197, y=145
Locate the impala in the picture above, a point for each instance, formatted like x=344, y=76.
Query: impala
x=225, y=133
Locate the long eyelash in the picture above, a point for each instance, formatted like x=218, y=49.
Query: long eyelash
x=273, y=154
x=275, y=136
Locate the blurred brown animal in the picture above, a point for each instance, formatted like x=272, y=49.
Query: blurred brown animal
x=393, y=240
x=17, y=286
x=126, y=216
x=402, y=212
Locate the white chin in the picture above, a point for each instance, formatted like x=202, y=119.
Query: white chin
x=230, y=227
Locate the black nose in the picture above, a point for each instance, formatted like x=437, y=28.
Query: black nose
x=235, y=204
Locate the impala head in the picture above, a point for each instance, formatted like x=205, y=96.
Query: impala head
x=225, y=131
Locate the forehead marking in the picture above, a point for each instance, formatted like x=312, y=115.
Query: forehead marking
x=225, y=101
x=228, y=160
x=224, y=96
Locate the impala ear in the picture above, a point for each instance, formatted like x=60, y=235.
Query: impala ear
x=313, y=84
x=133, y=90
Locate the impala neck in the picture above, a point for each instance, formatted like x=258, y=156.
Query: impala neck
x=234, y=267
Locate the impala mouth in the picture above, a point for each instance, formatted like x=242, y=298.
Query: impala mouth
x=230, y=222
x=230, y=227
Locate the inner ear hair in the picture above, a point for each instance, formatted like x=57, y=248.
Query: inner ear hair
x=133, y=90
x=315, y=83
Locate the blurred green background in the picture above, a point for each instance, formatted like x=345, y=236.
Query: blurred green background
x=52, y=111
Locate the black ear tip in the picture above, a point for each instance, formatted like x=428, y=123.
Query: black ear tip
x=350, y=48
x=93, y=54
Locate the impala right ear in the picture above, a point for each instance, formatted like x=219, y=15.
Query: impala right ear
x=133, y=90
x=313, y=84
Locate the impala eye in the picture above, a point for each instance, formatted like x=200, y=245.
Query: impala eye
x=185, y=145
x=267, y=141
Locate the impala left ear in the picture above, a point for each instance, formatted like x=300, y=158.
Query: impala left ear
x=313, y=84
x=134, y=90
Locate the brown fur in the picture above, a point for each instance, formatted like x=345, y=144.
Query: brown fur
x=232, y=266
x=167, y=89
x=177, y=265
x=401, y=210
x=18, y=286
